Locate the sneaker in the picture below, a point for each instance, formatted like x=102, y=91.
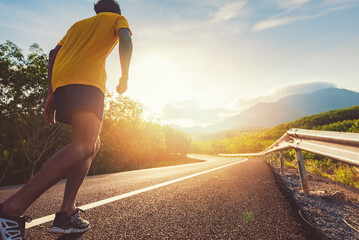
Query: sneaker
x=64, y=224
x=12, y=228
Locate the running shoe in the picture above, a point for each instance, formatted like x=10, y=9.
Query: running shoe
x=64, y=224
x=12, y=228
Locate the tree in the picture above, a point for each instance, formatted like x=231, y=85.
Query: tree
x=177, y=141
x=120, y=129
x=23, y=84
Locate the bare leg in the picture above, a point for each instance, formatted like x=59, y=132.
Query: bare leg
x=86, y=128
x=74, y=181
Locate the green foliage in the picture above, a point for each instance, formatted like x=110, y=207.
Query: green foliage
x=355, y=127
x=129, y=142
x=325, y=118
x=23, y=85
x=347, y=175
x=336, y=171
x=177, y=142
x=341, y=126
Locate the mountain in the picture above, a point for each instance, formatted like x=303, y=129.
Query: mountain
x=288, y=109
x=322, y=100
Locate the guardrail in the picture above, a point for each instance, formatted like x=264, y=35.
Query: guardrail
x=339, y=146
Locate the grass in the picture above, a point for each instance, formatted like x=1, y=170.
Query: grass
x=340, y=172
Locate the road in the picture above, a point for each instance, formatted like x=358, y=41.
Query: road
x=222, y=198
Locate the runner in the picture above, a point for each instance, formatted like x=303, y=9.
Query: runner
x=76, y=80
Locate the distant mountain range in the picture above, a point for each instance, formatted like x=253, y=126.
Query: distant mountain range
x=286, y=109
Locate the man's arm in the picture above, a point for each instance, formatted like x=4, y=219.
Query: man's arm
x=125, y=51
x=52, y=57
x=49, y=109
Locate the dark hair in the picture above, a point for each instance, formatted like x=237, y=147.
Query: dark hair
x=107, y=6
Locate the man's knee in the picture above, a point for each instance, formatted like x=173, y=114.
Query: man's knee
x=84, y=149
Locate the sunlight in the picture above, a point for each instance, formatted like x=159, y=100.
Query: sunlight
x=159, y=80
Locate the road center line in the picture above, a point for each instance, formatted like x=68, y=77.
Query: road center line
x=51, y=217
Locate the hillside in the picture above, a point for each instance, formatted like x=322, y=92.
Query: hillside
x=289, y=108
x=255, y=141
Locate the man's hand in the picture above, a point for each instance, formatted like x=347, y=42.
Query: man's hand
x=49, y=110
x=122, y=86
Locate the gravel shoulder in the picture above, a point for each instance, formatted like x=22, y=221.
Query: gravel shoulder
x=331, y=208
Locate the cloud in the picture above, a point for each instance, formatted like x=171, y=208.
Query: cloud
x=324, y=8
x=271, y=24
x=190, y=111
x=33, y=22
x=290, y=3
x=280, y=22
x=355, y=89
x=38, y=22
x=44, y=31
x=337, y=2
x=280, y=92
x=229, y=11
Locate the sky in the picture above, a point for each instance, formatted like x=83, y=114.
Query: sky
x=197, y=62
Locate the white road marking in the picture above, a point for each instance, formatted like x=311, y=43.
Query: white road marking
x=51, y=217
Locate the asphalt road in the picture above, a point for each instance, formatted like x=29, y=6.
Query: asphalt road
x=238, y=201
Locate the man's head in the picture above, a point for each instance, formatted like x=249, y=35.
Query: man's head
x=107, y=6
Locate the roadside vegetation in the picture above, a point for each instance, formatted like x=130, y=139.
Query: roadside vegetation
x=128, y=142
x=343, y=120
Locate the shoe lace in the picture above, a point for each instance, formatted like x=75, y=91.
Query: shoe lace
x=76, y=214
x=76, y=217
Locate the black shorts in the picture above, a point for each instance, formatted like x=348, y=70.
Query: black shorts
x=77, y=96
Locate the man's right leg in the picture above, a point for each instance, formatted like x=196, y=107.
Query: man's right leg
x=59, y=165
x=67, y=219
x=74, y=181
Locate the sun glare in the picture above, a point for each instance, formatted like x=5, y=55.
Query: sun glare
x=159, y=79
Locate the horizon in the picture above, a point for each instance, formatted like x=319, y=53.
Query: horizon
x=197, y=63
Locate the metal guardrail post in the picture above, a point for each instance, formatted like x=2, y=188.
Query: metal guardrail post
x=281, y=162
x=302, y=172
x=275, y=158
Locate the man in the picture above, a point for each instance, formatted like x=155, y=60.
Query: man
x=76, y=80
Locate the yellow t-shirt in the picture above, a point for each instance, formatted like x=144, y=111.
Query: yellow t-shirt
x=85, y=47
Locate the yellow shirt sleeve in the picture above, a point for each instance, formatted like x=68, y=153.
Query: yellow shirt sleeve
x=121, y=22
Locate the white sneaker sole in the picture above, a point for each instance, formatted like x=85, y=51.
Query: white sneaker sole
x=58, y=230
